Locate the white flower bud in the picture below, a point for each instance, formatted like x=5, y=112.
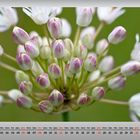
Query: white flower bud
x=106, y=64
x=45, y=52
x=94, y=75
x=87, y=36
x=14, y=94
x=1, y=50
x=84, y=16
x=101, y=47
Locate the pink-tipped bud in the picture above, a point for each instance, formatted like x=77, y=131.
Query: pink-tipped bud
x=43, y=80
x=106, y=64
x=21, y=49
x=58, y=48
x=130, y=68
x=31, y=49
x=83, y=99
x=56, y=98
x=90, y=62
x=24, y=61
x=75, y=65
x=20, y=36
x=84, y=16
x=26, y=87
x=54, y=70
x=24, y=101
x=117, y=35
x=36, y=39
x=45, y=106
x=117, y=83
x=55, y=27
x=98, y=93
x=101, y=47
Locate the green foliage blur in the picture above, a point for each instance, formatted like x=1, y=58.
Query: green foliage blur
x=96, y=112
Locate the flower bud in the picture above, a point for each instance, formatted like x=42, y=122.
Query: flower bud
x=1, y=50
x=117, y=35
x=67, y=70
x=106, y=64
x=90, y=62
x=1, y=100
x=55, y=27
x=21, y=76
x=36, y=69
x=98, y=93
x=94, y=75
x=45, y=52
x=24, y=101
x=117, y=83
x=83, y=99
x=36, y=39
x=66, y=28
x=87, y=36
x=75, y=65
x=20, y=36
x=24, y=61
x=58, y=48
x=43, y=80
x=84, y=16
x=134, y=106
x=130, y=68
x=21, y=49
x=26, y=87
x=14, y=94
x=56, y=98
x=101, y=47
x=67, y=55
x=31, y=49
x=81, y=51
x=69, y=45
x=46, y=106
x=54, y=70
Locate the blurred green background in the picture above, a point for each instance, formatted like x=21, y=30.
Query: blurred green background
x=96, y=112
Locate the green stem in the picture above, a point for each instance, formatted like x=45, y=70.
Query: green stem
x=125, y=103
x=100, y=27
x=9, y=57
x=65, y=116
x=8, y=67
x=46, y=34
x=77, y=36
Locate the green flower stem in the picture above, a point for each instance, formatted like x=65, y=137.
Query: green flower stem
x=62, y=68
x=9, y=57
x=112, y=72
x=65, y=116
x=77, y=36
x=46, y=34
x=99, y=28
x=109, y=101
x=8, y=67
x=99, y=83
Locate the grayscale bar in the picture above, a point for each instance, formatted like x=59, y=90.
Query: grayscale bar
x=70, y=3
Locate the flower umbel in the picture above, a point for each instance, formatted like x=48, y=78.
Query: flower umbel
x=58, y=74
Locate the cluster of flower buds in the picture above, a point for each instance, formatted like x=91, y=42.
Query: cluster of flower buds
x=67, y=72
